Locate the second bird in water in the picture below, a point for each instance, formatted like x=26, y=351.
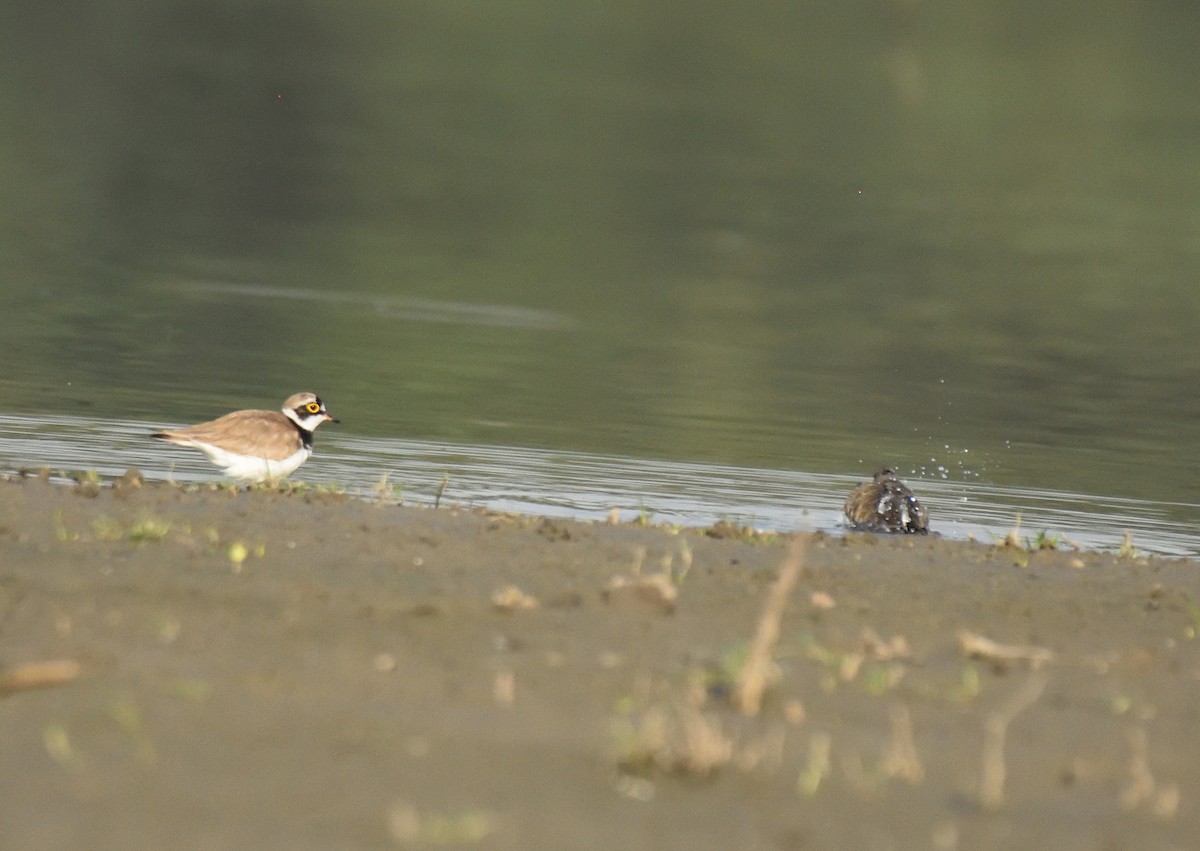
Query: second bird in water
x=886, y=505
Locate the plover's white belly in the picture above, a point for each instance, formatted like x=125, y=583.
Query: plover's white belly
x=252, y=467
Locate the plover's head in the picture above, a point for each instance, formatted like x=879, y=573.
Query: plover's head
x=307, y=411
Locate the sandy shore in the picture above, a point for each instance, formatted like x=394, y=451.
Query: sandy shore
x=211, y=669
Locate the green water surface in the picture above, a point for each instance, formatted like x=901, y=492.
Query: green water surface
x=962, y=238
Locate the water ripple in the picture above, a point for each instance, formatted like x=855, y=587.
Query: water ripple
x=397, y=307
x=586, y=486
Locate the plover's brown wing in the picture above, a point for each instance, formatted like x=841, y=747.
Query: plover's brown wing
x=860, y=506
x=263, y=434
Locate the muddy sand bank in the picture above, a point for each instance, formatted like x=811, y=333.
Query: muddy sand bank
x=299, y=670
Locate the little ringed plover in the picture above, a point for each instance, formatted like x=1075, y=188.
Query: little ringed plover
x=257, y=445
x=886, y=505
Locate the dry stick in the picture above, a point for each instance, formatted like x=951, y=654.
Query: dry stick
x=54, y=672
x=1141, y=782
x=995, y=728
x=900, y=759
x=1142, y=788
x=752, y=680
x=981, y=647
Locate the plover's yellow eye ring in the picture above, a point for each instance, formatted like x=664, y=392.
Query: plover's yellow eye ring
x=313, y=407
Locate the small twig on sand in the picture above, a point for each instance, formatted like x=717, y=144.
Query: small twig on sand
x=995, y=730
x=980, y=647
x=755, y=674
x=54, y=672
x=1127, y=550
x=382, y=489
x=437, y=500
x=900, y=759
x=1013, y=538
x=1142, y=788
x=675, y=738
x=819, y=746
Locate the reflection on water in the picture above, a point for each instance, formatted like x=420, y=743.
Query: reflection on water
x=396, y=307
x=588, y=487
